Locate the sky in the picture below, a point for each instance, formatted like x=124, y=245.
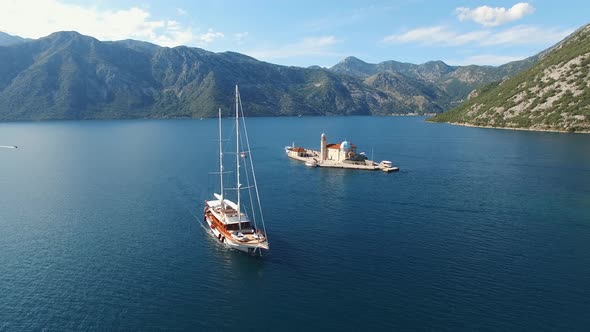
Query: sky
x=304, y=33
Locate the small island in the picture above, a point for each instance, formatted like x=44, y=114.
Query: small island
x=337, y=155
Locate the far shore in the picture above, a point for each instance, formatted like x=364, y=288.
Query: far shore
x=413, y=114
x=522, y=129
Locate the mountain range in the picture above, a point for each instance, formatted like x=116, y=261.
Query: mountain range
x=553, y=94
x=456, y=81
x=6, y=39
x=67, y=75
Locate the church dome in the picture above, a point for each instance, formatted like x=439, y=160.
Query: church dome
x=345, y=145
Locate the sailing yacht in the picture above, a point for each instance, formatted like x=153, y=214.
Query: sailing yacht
x=227, y=220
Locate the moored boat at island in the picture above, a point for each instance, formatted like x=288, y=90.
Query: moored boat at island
x=311, y=163
x=387, y=166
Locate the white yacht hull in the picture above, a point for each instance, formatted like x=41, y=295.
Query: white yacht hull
x=231, y=243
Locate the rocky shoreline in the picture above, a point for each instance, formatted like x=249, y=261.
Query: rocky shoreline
x=522, y=129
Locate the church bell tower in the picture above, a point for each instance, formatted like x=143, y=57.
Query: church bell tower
x=323, y=148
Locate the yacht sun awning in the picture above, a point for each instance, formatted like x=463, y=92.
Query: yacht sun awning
x=213, y=203
x=227, y=202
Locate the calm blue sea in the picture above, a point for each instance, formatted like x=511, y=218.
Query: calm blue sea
x=100, y=228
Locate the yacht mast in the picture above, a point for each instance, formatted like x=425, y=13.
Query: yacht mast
x=221, y=161
x=238, y=159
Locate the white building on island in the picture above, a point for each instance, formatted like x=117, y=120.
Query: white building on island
x=336, y=151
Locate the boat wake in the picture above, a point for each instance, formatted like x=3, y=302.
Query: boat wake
x=9, y=146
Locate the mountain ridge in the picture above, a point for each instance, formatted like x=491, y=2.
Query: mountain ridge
x=456, y=81
x=7, y=39
x=67, y=75
x=552, y=95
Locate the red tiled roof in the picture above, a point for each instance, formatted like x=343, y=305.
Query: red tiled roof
x=298, y=149
x=337, y=146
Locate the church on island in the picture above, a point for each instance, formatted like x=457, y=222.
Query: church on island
x=339, y=151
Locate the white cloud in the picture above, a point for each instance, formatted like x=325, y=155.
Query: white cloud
x=526, y=35
x=173, y=25
x=436, y=35
x=18, y=18
x=240, y=37
x=316, y=46
x=494, y=16
x=485, y=59
x=444, y=36
x=209, y=36
x=181, y=11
